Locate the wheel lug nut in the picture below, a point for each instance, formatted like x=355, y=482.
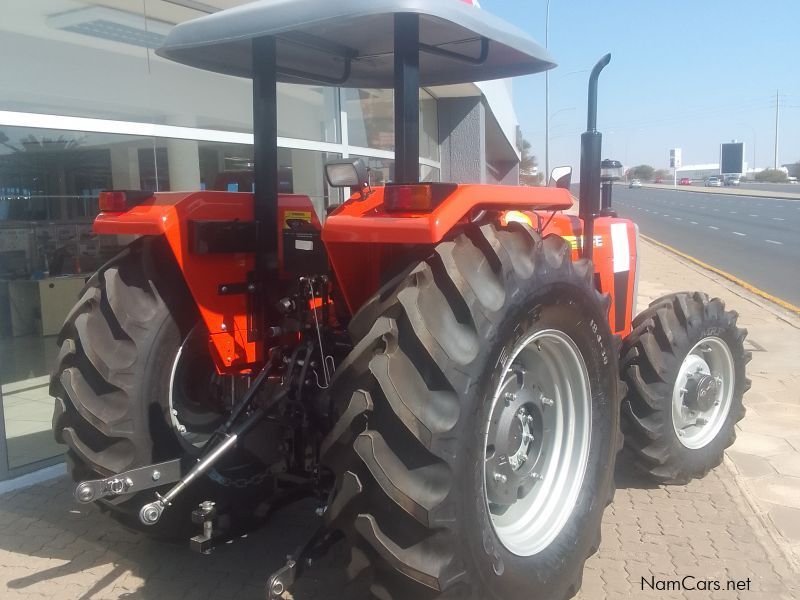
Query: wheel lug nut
x=537, y=476
x=509, y=397
x=547, y=401
x=500, y=478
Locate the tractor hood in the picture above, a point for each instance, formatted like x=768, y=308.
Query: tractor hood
x=349, y=43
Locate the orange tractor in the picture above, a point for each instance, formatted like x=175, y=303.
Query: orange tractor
x=439, y=365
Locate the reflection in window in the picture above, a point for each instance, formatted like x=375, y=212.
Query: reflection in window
x=308, y=112
x=428, y=126
x=427, y=173
x=370, y=120
x=380, y=170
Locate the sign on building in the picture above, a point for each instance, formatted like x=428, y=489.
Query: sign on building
x=731, y=158
x=675, y=158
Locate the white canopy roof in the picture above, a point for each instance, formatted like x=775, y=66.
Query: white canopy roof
x=320, y=37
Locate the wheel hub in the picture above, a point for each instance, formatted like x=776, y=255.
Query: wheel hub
x=701, y=391
x=537, y=441
x=516, y=435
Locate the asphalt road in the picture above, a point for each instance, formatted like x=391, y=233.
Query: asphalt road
x=756, y=239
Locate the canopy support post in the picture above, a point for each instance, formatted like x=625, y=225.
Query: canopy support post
x=406, y=98
x=265, y=158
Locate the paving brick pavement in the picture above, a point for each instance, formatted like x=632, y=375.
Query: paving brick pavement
x=766, y=456
x=52, y=549
x=714, y=529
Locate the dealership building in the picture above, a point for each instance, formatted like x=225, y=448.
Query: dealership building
x=86, y=105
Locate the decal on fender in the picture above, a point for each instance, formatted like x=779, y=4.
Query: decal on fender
x=576, y=242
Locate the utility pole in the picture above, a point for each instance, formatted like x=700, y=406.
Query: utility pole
x=777, y=112
x=547, y=99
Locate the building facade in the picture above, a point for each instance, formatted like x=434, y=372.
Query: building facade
x=86, y=105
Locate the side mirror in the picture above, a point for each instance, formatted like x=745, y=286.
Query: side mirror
x=560, y=177
x=347, y=172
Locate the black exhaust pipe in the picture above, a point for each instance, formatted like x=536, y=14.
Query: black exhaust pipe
x=591, y=150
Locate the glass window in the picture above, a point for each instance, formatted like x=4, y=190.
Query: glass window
x=381, y=170
x=428, y=126
x=49, y=185
x=370, y=118
x=427, y=173
x=308, y=112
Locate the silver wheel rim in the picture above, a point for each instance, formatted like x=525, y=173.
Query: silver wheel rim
x=703, y=393
x=181, y=426
x=536, y=443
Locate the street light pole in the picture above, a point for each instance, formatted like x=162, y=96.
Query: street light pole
x=777, y=96
x=547, y=98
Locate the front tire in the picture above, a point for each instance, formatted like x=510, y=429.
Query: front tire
x=684, y=362
x=420, y=401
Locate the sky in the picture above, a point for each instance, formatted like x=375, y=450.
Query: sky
x=687, y=73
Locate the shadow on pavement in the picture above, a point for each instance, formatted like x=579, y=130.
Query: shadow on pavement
x=49, y=541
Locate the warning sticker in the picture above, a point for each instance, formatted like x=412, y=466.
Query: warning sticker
x=291, y=217
x=577, y=242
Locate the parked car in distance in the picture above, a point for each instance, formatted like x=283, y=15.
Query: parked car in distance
x=658, y=180
x=635, y=183
x=713, y=182
x=731, y=180
x=685, y=181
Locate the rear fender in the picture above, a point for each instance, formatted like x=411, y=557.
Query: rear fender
x=225, y=312
x=367, y=245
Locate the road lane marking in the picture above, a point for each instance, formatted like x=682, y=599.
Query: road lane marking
x=759, y=292
x=778, y=219
x=678, y=219
x=733, y=212
x=753, y=215
x=693, y=222
x=774, y=242
x=712, y=227
x=738, y=233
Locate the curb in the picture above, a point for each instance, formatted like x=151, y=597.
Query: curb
x=740, y=282
x=727, y=192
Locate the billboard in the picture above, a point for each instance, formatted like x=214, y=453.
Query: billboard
x=675, y=158
x=731, y=158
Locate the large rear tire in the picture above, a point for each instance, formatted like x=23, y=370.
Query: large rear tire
x=454, y=372
x=115, y=386
x=684, y=362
